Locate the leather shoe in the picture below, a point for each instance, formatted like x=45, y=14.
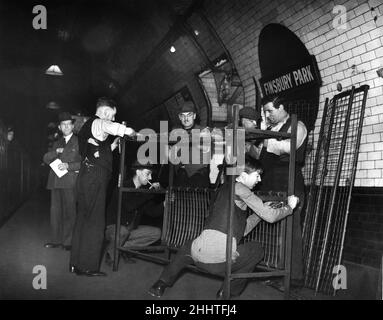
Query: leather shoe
x=52, y=245
x=90, y=273
x=67, y=248
x=158, y=289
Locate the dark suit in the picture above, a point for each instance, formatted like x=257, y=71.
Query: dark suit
x=63, y=199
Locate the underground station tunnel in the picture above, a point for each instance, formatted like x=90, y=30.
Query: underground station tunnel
x=191, y=150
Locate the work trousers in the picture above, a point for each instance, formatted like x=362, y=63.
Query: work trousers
x=250, y=254
x=63, y=215
x=88, y=234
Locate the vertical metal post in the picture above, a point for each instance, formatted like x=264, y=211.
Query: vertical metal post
x=354, y=165
x=290, y=191
x=229, y=239
x=318, y=202
x=21, y=177
x=334, y=190
x=310, y=204
x=116, y=253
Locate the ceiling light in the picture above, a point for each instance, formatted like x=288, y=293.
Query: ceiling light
x=52, y=105
x=172, y=49
x=196, y=32
x=54, y=70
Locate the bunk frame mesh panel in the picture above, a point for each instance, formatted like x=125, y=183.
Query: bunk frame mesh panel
x=187, y=209
x=331, y=186
x=272, y=238
x=185, y=212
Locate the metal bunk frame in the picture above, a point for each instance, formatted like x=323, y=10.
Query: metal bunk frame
x=268, y=272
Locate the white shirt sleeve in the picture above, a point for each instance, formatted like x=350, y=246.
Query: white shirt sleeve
x=102, y=128
x=283, y=146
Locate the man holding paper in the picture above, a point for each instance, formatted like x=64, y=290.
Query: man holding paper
x=65, y=161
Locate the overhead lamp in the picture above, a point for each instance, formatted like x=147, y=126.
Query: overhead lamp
x=196, y=32
x=52, y=106
x=54, y=70
x=172, y=49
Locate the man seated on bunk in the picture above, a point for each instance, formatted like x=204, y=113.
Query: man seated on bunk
x=208, y=250
x=135, y=208
x=191, y=174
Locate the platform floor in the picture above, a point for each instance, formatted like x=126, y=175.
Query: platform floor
x=22, y=240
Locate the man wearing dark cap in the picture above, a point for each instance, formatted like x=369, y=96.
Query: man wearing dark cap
x=63, y=200
x=187, y=116
x=134, y=208
x=249, y=117
x=192, y=174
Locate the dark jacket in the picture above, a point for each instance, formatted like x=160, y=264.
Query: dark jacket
x=71, y=156
x=132, y=206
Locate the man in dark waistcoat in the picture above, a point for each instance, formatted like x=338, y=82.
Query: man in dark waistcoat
x=208, y=250
x=63, y=199
x=274, y=156
x=92, y=183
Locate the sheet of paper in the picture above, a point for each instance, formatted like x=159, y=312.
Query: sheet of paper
x=54, y=165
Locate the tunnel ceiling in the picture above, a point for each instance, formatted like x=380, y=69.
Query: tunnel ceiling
x=98, y=44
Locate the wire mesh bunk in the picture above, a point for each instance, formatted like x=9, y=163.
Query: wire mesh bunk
x=331, y=187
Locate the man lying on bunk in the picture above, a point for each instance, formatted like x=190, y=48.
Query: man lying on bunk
x=134, y=209
x=208, y=250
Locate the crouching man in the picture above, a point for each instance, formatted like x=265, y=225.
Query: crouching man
x=134, y=207
x=208, y=250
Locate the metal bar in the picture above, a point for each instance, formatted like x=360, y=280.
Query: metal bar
x=121, y=176
x=165, y=220
x=134, y=190
x=229, y=240
x=290, y=191
x=354, y=166
x=336, y=182
x=259, y=275
x=266, y=134
x=326, y=146
x=315, y=169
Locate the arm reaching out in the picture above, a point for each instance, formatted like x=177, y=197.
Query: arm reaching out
x=264, y=211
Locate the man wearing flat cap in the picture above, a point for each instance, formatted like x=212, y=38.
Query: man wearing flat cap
x=187, y=116
x=192, y=174
x=249, y=117
x=63, y=200
x=135, y=208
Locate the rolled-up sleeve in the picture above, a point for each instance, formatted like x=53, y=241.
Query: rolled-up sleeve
x=262, y=210
x=283, y=146
x=101, y=128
